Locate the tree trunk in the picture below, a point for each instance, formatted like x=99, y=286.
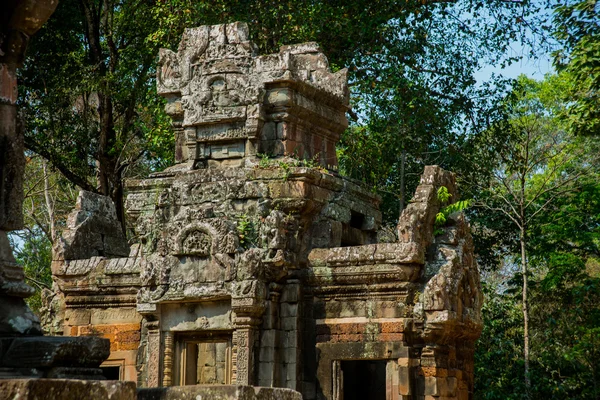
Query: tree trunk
x=525, y=310
x=109, y=181
x=106, y=162
x=117, y=198
x=49, y=203
x=402, y=180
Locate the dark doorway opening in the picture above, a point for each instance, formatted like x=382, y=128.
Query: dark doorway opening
x=111, y=373
x=364, y=379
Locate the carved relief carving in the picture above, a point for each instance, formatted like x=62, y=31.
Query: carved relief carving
x=191, y=48
x=168, y=75
x=198, y=243
x=242, y=361
x=218, y=78
x=205, y=238
x=153, y=355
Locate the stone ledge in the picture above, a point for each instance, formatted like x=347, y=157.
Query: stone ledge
x=371, y=254
x=54, y=351
x=218, y=392
x=65, y=389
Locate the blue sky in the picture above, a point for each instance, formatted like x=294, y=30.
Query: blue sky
x=533, y=68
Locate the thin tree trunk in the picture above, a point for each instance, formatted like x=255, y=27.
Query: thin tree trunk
x=49, y=202
x=522, y=238
x=402, y=180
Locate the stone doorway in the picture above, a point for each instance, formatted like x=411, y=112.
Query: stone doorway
x=362, y=379
x=203, y=359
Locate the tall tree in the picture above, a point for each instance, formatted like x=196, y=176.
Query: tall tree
x=536, y=161
x=565, y=319
x=89, y=111
x=48, y=199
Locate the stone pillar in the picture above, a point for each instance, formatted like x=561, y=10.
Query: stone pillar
x=243, y=357
x=18, y=21
x=153, y=353
x=248, y=304
x=269, y=363
x=406, y=373
x=149, y=353
x=291, y=328
x=15, y=315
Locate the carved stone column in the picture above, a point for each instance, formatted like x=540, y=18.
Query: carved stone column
x=153, y=349
x=168, y=359
x=149, y=352
x=244, y=343
x=248, y=304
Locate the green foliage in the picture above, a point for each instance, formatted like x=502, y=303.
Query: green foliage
x=544, y=180
x=527, y=159
x=92, y=110
x=565, y=336
x=578, y=30
x=248, y=230
x=33, y=251
x=264, y=161
x=415, y=94
x=285, y=168
x=498, y=361
x=443, y=195
x=442, y=217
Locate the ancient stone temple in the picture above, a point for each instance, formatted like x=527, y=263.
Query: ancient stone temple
x=253, y=262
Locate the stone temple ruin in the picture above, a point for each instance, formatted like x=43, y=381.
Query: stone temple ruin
x=267, y=271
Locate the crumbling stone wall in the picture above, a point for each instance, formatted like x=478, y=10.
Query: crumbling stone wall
x=274, y=258
x=415, y=303
x=98, y=276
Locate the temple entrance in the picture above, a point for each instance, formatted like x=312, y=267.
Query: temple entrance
x=203, y=359
x=364, y=379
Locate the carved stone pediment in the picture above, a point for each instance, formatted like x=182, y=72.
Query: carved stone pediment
x=196, y=242
x=206, y=238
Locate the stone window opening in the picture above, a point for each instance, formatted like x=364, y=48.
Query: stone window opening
x=203, y=359
x=112, y=370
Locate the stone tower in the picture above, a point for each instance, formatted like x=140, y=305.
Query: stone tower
x=255, y=263
x=227, y=103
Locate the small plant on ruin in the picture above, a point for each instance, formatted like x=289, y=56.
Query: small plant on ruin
x=265, y=160
x=442, y=217
x=285, y=166
x=247, y=231
x=443, y=195
x=311, y=162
